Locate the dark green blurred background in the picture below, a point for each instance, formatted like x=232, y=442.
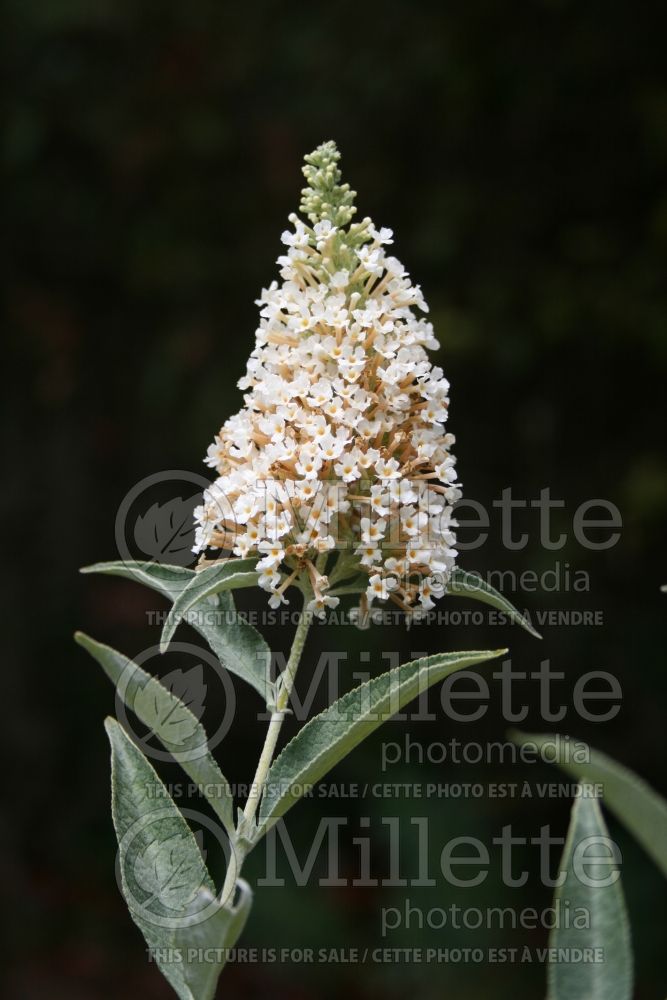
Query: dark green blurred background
x=152, y=155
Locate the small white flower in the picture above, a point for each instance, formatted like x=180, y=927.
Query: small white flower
x=379, y=500
x=276, y=599
x=387, y=468
x=445, y=471
x=245, y=508
x=425, y=595
x=309, y=465
x=318, y=606
x=347, y=470
x=377, y=589
x=412, y=522
x=273, y=554
x=369, y=555
x=268, y=579
x=372, y=531
x=340, y=279
x=323, y=231
x=371, y=259
x=299, y=238
x=384, y=235
x=331, y=448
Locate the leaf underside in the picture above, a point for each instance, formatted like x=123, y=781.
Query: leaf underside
x=163, y=876
x=462, y=584
x=629, y=797
x=238, y=645
x=569, y=976
x=179, y=731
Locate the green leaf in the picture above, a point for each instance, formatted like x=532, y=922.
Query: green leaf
x=167, y=580
x=462, y=584
x=166, y=715
x=164, y=880
x=330, y=736
x=167, y=871
x=238, y=646
x=593, y=886
x=629, y=797
x=176, y=717
x=226, y=575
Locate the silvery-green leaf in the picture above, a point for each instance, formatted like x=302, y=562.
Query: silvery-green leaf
x=167, y=530
x=593, y=887
x=175, y=718
x=223, y=575
x=169, y=872
x=634, y=802
x=238, y=646
x=170, y=720
x=330, y=736
x=167, y=580
x=168, y=890
x=462, y=584
x=221, y=931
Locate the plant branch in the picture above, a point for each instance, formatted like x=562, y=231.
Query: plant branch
x=285, y=686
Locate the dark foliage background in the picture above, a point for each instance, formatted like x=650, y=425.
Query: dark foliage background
x=152, y=155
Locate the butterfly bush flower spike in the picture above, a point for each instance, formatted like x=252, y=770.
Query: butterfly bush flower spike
x=339, y=456
x=336, y=476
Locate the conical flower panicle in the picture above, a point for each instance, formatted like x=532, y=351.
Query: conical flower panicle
x=338, y=457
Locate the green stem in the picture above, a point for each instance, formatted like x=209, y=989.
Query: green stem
x=286, y=684
x=285, y=690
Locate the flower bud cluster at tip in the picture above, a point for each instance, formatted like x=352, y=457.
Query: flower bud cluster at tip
x=325, y=198
x=340, y=445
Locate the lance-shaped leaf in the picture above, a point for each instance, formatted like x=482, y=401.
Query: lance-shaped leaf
x=592, y=885
x=462, y=584
x=164, y=880
x=163, y=870
x=238, y=645
x=223, y=575
x=167, y=580
x=330, y=736
x=629, y=797
x=167, y=716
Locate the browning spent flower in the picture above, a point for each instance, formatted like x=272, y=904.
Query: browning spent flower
x=339, y=449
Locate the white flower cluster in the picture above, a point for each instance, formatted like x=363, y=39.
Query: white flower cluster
x=339, y=455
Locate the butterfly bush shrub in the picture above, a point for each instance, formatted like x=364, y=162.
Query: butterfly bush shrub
x=336, y=477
